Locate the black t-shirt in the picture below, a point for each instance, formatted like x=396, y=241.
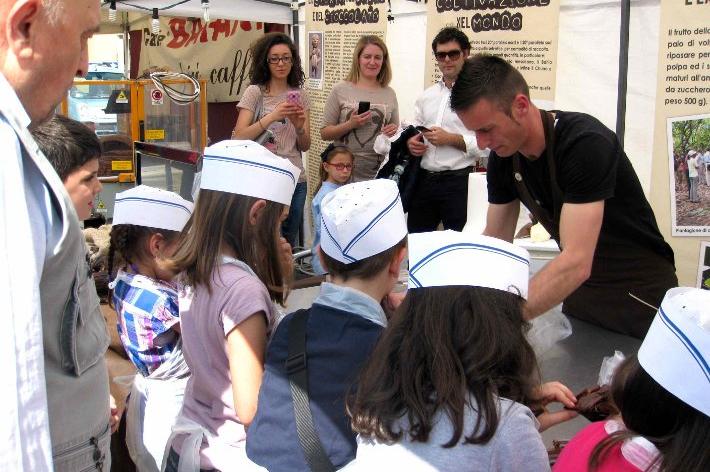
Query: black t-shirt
x=591, y=166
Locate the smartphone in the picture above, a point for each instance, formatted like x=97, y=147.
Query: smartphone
x=362, y=107
x=423, y=129
x=293, y=97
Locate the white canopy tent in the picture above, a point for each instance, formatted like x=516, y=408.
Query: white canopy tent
x=269, y=11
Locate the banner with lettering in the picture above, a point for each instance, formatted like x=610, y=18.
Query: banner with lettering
x=680, y=182
x=217, y=51
x=524, y=32
x=333, y=27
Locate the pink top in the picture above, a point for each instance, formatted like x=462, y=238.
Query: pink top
x=206, y=319
x=633, y=455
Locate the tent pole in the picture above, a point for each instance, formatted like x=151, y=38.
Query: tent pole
x=623, y=70
x=294, y=24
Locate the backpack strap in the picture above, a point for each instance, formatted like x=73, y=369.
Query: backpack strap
x=297, y=371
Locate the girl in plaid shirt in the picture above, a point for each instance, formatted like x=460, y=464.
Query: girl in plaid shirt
x=147, y=223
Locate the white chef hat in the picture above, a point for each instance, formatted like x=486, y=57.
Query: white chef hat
x=247, y=168
x=676, y=350
x=446, y=258
x=362, y=219
x=151, y=207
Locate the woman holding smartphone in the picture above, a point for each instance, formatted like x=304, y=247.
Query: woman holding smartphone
x=275, y=101
x=363, y=106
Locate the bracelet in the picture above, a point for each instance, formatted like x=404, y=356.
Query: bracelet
x=262, y=126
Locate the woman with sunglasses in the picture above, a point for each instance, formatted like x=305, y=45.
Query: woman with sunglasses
x=363, y=106
x=275, y=101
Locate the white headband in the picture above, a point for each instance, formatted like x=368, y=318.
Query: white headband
x=362, y=219
x=449, y=258
x=151, y=207
x=247, y=168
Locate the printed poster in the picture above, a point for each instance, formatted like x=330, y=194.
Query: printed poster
x=217, y=51
x=681, y=126
x=523, y=32
x=688, y=140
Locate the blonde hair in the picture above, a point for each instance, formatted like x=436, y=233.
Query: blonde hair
x=385, y=75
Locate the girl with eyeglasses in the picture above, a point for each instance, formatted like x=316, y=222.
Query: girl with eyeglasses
x=362, y=106
x=276, y=101
x=335, y=170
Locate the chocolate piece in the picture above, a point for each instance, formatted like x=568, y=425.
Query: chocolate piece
x=554, y=452
x=595, y=403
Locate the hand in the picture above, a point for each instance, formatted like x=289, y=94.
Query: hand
x=281, y=111
x=357, y=121
x=286, y=255
x=416, y=145
x=392, y=301
x=390, y=130
x=554, y=392
x=297, y=117
x=437, y=136
x=113, y=418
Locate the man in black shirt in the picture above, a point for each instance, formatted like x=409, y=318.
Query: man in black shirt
x=570, y=171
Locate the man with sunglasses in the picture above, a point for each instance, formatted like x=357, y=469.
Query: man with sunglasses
x=571, y=172
x=448, y=149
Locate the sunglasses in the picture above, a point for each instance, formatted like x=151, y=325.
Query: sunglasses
x=341, y=167
x=442, y=55
x=276, y=59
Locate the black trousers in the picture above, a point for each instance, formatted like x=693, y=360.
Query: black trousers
x=439, y=197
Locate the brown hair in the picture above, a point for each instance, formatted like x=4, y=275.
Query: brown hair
x=680, y=432
x=129, y=244
x=331, y=154
x=364, y=269
x=260, y=74
x=67, y=144
x=445, y=348
x=385, y=75
x=221, y=218
x=484, y=76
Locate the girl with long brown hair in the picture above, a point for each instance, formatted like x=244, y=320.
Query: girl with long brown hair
x=233, y=264
x=447, y=385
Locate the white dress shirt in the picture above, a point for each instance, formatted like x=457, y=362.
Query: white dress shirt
x=24, y=428
x=432, y=108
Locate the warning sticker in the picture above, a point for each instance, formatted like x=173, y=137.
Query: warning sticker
x=154, y=134
x=156, y=97
x=122, y=165
x=122, y=97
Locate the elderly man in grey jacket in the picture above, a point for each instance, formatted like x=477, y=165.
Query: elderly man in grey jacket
x=55, y=407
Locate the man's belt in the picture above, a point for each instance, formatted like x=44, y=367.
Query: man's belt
x=448, y=173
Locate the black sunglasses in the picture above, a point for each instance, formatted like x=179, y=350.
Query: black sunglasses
x=442, y=55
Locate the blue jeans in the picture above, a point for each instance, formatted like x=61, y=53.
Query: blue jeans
x=292, y=223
